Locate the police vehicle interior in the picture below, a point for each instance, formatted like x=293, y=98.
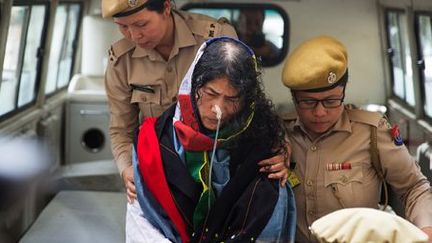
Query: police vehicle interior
x=58, y=181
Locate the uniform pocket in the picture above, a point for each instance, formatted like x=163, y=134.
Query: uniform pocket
x=345, y=184
x=344, y=177
x=149, y=100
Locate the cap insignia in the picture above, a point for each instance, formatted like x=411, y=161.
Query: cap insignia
x=331, y=77
x=132, y=3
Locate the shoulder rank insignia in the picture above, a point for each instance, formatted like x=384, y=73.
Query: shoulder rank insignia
x=211, y=30
x=112, y=57
x=384, y=123
x=395, y=133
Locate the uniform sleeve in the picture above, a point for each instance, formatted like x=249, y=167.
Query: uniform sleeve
x=403, y=174
x=123, y=115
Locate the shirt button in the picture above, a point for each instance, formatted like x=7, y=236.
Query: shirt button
x=309, y=183
x=169, y=69
x=344, y=179
x=311, y=213
x=313, y=148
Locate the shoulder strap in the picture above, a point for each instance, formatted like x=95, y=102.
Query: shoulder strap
x=376, y=162
x=118, y=49
x=205, y=26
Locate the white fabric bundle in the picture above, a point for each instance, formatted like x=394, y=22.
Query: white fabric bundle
x=365, y=225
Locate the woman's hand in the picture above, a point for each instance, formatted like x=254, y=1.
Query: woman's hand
x=277, y=167
x=428, y=231
x=128, y=179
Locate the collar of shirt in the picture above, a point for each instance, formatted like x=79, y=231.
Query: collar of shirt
x=183, y=37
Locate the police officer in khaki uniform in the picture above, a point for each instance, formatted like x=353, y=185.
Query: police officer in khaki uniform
x=146, y=68
x=331, y=144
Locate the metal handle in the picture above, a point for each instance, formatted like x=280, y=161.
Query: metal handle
x=421, y=64
x=93, y=113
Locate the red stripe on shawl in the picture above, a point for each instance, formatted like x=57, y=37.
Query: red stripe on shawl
x=192, y=140
x=152, y=171
x=187, y=111
x=187, y=129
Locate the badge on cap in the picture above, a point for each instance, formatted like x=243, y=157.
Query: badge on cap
x=132, y=3
x=331, y=77
x=395, y=133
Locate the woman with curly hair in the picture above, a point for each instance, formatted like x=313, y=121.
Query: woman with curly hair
x=196, y=166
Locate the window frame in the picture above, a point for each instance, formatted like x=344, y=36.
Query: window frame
x=266, y=6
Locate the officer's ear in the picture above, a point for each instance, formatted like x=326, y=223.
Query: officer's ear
x=167, y=8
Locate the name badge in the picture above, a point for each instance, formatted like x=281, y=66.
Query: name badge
x=293, y=180
x=338, y=166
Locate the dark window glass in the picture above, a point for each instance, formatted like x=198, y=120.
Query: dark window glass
x=263, y=27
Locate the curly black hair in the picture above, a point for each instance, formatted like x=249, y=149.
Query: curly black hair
x=232, y=59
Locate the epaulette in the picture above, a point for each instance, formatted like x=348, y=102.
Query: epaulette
x=205, y=27
x=366, y=117
x=118, y=49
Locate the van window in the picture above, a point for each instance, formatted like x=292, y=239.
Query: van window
x=400, y=57
x=63, y=46
x=21, y=66
x=424, y=27
x=27, y=90
x=263, y=27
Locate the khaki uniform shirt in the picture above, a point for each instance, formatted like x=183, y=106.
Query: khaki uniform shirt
x=156, y=80
x=349, y=141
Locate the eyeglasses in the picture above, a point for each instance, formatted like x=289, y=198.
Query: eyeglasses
x=312, y=103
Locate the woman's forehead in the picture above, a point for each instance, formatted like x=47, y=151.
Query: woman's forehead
x=335, y=92
x=222, y=86
x=143, y=15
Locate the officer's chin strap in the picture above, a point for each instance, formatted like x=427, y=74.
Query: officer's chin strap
x=218, y=112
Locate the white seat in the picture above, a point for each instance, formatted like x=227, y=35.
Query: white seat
x=80, y=217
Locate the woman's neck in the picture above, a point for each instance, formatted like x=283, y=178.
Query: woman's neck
x=167, y=42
